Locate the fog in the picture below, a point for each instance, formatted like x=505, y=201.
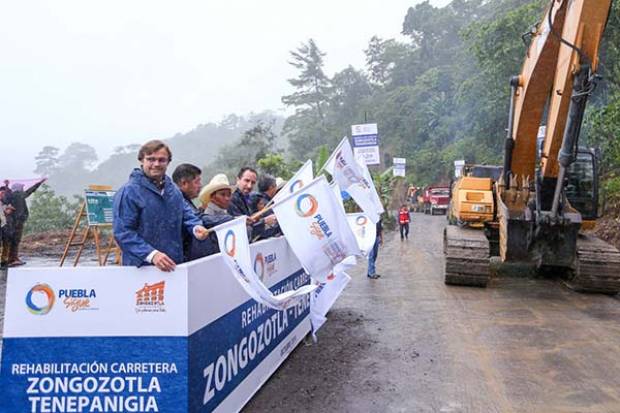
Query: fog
x=113, y=73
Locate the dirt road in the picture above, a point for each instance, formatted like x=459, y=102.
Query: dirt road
x=406, y=342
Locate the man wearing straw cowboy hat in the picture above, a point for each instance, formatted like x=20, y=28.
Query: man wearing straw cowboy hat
x=216, y=195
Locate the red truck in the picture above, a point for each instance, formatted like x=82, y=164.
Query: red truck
x=436, y=198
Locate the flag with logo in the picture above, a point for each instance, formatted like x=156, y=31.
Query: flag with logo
x=316, y=228
x=365, y=231
x=349, y=175
x=232, y=238
x=301, y=178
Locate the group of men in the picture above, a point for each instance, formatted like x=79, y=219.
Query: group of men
x=156, y=219
x=13, y=216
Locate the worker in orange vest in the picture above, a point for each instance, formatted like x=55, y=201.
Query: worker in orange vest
x=403, y=221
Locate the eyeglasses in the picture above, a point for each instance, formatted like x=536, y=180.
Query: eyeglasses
x=152, y=159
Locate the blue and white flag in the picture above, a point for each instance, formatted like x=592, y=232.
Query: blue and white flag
x=365, y=231
x=355, y=179
x=301, y=178
x=316, y=228
x=232, y=238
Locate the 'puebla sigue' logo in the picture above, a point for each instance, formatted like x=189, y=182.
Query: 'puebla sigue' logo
x=230, y=243
x=259, y=262
x=265, y=266
x=306, y=205
x=39, y=290
x=296, y=185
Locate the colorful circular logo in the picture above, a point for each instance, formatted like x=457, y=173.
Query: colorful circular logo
x=259, y=262
x=49, y=296
x=230, y=243
x=306, y=205
x=296, y=185
x=361, y=220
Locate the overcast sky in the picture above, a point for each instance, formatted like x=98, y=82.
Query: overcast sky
x=111, y=73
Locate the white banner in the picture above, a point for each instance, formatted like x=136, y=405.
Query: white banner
x=365, y=231
x=89, y=325
x=354, y=178
x=232, y=238
x=301, y=178
x=316, y=228
x=324, y=297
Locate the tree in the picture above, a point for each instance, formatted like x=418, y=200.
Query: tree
x=47, y=161
x=78, y=156
x=49, y=212
x=313, y=86
x=275, y=165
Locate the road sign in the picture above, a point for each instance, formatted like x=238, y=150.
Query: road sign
x=399, y=166
x=99, y=207
x=366, y=143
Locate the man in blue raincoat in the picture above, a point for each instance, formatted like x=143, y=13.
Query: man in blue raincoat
x=150, y=214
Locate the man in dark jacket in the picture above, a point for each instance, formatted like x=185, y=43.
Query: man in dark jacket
x=188, y=178
x=240, y=204
x=20, y=215
x=150, y=213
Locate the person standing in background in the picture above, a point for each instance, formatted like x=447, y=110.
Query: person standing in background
x=20, y=216
x=372, y=257
x=403, y=221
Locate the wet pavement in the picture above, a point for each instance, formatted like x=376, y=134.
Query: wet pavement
x=408, y=343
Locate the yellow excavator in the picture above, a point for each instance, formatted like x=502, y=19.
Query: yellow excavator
x=471, y=195
x=547, y=192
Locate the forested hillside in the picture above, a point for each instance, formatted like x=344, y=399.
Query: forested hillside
x=74, y=168
x=438, y=94
x=443, y=94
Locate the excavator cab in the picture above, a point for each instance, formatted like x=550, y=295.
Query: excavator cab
x=582, y=184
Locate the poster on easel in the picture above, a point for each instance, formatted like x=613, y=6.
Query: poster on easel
x=99, y=207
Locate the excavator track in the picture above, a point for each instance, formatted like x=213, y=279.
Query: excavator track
x=598, y=267
x=466, y=253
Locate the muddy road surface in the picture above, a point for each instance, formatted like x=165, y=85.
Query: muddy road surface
x=408, y=343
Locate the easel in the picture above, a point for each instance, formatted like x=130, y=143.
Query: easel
x=95, y=231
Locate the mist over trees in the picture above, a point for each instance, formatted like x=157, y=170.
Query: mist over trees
x=439, y=95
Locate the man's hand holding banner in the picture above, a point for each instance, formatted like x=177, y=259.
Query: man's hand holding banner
x=232, y=238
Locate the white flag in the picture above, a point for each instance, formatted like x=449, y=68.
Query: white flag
x=365, y=231
x=324, y=297
x=338, y=194
x=316, y=228
x=301, y=178
x=349, y=175
x=232, y=238
x=373, y=191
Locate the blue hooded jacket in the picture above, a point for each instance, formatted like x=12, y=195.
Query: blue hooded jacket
x=145, y=220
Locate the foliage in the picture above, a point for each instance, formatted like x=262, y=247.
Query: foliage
x=275, y=165
x=71, y=171
x=50, y=212
x=255, y=143
x=321, y=158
